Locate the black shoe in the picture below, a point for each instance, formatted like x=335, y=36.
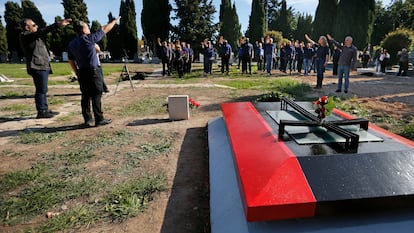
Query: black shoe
x=338, y=90
x=103, y=122
x=46, y=114
x=346, y=91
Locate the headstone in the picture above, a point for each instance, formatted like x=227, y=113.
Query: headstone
x=178, y=107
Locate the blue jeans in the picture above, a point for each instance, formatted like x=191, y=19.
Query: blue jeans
x=343, y=71
x=269, y=61
x=307, y=65
x=40, y=78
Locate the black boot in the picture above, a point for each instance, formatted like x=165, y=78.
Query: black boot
x=46, y=114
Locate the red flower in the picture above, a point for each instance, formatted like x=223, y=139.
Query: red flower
x=193, y=103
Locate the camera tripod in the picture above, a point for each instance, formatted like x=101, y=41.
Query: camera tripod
x=124, y=76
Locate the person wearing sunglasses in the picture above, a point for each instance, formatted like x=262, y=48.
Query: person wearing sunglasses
x=38, y=60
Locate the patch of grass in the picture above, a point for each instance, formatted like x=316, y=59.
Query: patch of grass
x=15, y=179
x=61, y=82
x=284, y=85
x=129, y=199
x=66, y=117
x=17, y=108
x=144, y=107
x=147, y=150
x=53, y=100
x=31, y=137
x=75, y=218
x=18, y=71
x=43, y=194
x=407, y=131
x=71, y=157
x=10, y=94
x=274, y=96
x=105, y=138
x=12, y=153
x=119, y=137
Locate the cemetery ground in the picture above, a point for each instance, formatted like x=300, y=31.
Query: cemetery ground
x=143, y=173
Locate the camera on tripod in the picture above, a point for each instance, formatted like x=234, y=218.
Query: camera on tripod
x=124, y=76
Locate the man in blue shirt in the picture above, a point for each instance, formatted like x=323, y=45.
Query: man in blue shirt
x=225, y=53
x=83, y=60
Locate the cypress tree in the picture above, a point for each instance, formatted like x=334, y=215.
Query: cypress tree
x=284, y=26
x=324, y=18
x=273, y=12
x=77, y=11
x=355, y=18
x=224, y=17
x=234, y=38
x=55, y=39
x=3, y=43
x=229, y=23
x=30, y=11
x=304, y=26
x=13, y=14
x=281, y=18
x=383, y=24
x=128, y=28
x=155, y=27
x=114, y=45
x=95, y=27
x=257, y=21
x=195, y=21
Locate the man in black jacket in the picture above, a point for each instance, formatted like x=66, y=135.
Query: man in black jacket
x=38, y=61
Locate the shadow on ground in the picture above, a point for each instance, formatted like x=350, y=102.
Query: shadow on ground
x=188, y=206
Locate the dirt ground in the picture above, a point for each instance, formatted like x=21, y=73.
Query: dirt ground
x=184, y=207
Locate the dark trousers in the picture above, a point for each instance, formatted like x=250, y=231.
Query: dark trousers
x=91, y=87
x=260, y=64
x=247, y=64
x=282, y=64
x=335, y=68
x=40, y=78
x=403, y=68
x=320, y=69
x=225, y=63
x=299, y=64
x=166, y=67
x=188, y=66
x=105, y=88
x=180, y=64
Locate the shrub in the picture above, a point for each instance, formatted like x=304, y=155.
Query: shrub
x=397, y=40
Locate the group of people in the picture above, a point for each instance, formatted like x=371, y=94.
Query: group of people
x=293, y=56
x=83, y=59
x=177, y=56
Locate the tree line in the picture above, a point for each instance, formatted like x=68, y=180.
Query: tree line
x=122, y=39
x=368, y=21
